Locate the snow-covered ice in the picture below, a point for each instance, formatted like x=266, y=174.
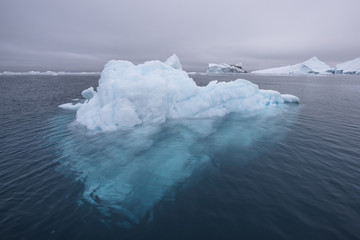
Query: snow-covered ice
x=349, y=67
x=223, y=68
x=152, y=92
x=311, y=66
x=70, y=106
x=174, y=62
x=88, y=93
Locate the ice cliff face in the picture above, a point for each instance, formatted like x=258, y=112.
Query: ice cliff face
x=349, y=67
x=311, y=66
x=224, y=68
x=129, y=95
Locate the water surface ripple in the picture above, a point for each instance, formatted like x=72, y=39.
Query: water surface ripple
x=289, y=173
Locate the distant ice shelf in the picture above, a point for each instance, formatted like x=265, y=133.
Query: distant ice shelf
x=349, y=67
x=311, y=66
x=48, y=73
x=224, y=68
x=162, y=116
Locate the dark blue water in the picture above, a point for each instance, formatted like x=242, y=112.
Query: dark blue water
x=287, y=173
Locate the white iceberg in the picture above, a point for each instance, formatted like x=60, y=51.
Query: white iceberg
x=349, y=67
x=129, y=95
x=174, y=62
x=311, y=66
x=214, y=68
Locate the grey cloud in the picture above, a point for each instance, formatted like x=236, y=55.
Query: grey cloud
x=82, y=35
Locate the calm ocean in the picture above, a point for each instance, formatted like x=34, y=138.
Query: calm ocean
x=291, y=172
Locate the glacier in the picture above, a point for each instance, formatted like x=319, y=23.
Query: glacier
x=152, y=92
x=349, y=67
x=311, y=66
x=224, y=68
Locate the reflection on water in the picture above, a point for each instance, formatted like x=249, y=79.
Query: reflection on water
x=130, y=171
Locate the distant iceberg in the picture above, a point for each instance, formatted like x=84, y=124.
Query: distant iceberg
x=130, y=95
x=48, y=73
x=311, y=66
x=223, y=68
x=349, y=67
x=132, y=170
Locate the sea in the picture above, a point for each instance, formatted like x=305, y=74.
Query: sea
x=288, y=172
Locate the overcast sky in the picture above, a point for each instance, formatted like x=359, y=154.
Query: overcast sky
x=82, y=35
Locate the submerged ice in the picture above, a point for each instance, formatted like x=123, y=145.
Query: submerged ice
x=129, y=172
x=152, y=92
x=133, y=169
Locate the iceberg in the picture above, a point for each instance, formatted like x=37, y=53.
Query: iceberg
x=70, y=106
x=311, y=66
x=214, y=68
x=132, y=170
x=349, y=67
x=152, y=92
